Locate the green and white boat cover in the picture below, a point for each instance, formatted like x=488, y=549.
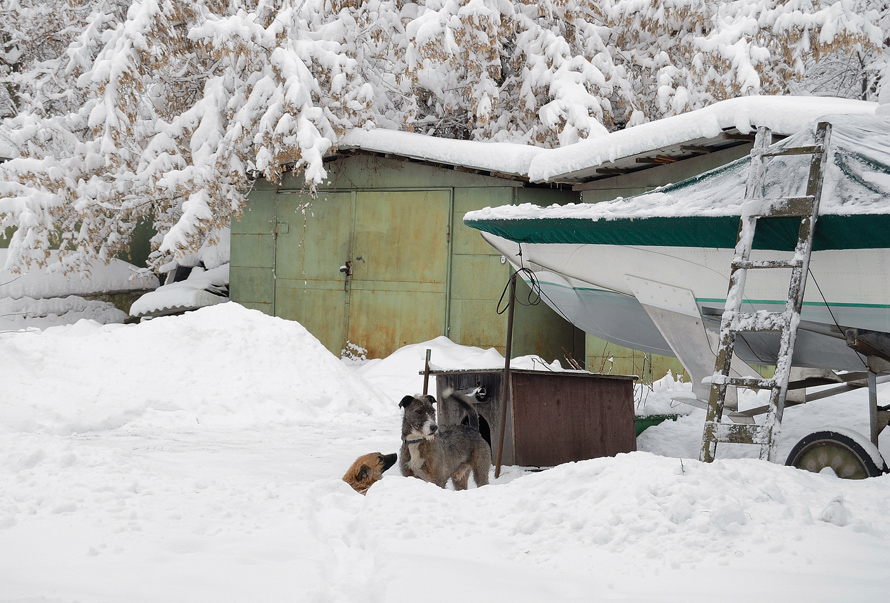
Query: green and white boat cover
x=704, y=211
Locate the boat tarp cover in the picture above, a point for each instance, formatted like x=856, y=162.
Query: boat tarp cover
x=704, y=211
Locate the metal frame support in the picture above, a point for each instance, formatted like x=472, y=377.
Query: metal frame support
x=507, y=397
x=878, y=417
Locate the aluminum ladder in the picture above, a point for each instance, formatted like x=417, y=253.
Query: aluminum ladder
x=735, y=321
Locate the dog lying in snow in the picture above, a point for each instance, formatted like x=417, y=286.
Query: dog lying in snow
x=437, y=455
x=368, y=469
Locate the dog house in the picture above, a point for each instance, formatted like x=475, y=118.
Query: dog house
x=556, y=417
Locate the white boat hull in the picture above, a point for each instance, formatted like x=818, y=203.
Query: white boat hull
x=593, y=286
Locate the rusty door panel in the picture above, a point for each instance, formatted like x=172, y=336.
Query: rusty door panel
x=402, y=236
x=469, y=241
x=316, y=243
x=252, y=287
x=312, y=244
x=321, y=311
x=383, y=321
x=476, y=284
x=400, y=269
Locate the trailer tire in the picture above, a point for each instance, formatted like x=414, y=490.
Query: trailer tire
x=849, y=456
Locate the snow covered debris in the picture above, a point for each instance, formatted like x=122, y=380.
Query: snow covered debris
x=115, y=276
x=199, y=457
x=202, y=288
x=45, y=297
x=27, y=312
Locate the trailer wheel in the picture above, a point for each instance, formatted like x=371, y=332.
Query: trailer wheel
x=848, y=455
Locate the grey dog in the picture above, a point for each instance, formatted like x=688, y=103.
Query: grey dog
x=435, y=455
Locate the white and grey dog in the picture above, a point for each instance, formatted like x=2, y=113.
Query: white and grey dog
x=434, y=454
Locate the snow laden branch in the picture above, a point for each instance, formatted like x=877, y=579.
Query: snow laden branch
x=118, y=111
x=177, y=106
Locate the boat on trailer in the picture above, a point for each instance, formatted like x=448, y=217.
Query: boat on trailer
x=651, y=272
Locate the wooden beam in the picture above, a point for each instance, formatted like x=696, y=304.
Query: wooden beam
x=743, y=137
x=657, y=160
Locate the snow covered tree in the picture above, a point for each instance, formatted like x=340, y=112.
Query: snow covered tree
x=165, y=110
x=856, y=72
x=173, y=107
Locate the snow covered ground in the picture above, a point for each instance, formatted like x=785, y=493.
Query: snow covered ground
x=199, y=457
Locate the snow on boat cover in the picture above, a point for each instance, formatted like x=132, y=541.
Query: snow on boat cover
x=855, y=203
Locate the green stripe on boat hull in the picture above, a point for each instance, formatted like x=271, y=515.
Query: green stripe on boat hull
x=832, y=232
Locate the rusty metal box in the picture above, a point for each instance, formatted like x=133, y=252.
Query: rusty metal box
x=556, y=417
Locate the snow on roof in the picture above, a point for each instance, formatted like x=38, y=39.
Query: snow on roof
x=784, y=115
x=189, y=294
x=52, y=282
x=857, y=181
x=501, y=157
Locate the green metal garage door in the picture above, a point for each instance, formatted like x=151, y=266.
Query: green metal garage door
x=398, y=246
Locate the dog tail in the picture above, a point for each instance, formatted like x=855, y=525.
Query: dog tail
x=467, y=398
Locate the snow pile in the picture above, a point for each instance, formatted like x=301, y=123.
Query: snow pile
x=401, y=373
x=198, y=369
x=199, y=457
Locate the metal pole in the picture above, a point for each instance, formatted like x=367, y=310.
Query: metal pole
x=873, y=406
x=506, y=388
x=426, y=372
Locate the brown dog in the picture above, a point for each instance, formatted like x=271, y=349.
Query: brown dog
x=368, y=469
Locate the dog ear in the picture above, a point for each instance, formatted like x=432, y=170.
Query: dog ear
x=431, y=399
x=363, y=473
x=406, y=401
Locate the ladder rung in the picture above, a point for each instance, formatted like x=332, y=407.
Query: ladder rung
x=786, y=207
x=810, y=150
x=751, y=264
x=749, y=382
x=735, y=433
x=757, y=322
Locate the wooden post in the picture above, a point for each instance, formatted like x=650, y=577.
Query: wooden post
x=507, y=390
x=426, y=372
